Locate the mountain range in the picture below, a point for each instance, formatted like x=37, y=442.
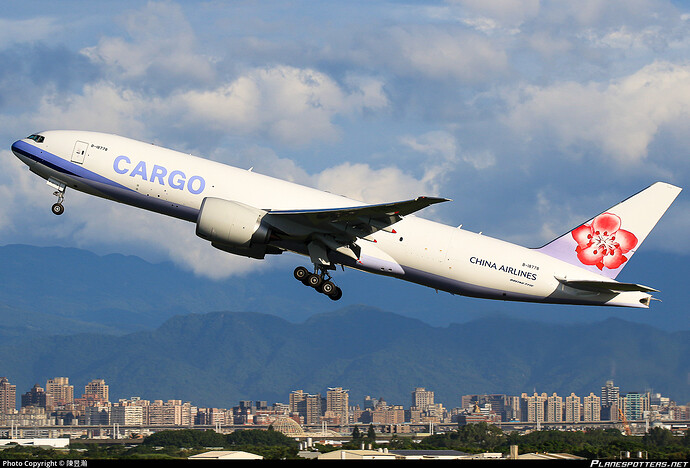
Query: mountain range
x=155, y=331
x=219, y=358
x=58, y=290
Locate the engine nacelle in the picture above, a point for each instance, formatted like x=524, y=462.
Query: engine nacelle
x=233, y=226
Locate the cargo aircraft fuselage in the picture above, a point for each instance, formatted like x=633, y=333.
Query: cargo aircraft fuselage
x=246, y=213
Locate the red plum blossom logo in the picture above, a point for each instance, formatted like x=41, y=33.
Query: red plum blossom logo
x=603, y=242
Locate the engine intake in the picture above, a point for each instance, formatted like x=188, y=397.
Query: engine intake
x=233, y=226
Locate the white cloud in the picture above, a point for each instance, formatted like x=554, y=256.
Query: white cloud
x=99, y=222
x=444, y=54
x=622, y=117
x=291, y=106
x=162, y=42
x=435, y=144
x=364, y=183
x=100, y=106
x=443, y=153
x=294, y=106
x=507, y=12
x=13, y=31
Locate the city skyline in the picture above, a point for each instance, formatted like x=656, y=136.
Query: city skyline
x=62, y=386
x=94, y=408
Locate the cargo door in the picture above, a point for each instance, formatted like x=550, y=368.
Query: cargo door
x=79, y=152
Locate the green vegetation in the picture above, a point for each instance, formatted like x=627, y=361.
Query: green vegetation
x=173, y=444
x=270, y=444
x=598, y=443
x=658, y=443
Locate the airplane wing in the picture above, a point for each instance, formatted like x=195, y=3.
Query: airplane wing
x=605, y=286
x=358, y=221
x=337, y=229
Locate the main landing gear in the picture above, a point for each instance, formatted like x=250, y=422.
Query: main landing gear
x=319, y=280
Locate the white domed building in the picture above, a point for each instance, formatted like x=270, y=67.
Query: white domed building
x=288, y=427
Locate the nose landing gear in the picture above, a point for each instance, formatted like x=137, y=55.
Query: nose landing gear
x=57, y=208
x=320, y=280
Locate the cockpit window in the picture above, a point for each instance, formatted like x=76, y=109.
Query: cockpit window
x=37, y=138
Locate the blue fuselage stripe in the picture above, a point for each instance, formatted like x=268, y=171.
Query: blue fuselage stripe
x=102, y=186
x=60, y=165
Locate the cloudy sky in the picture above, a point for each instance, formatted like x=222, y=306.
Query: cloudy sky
x=532, y=115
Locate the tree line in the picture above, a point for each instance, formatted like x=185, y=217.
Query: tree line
x=658, y=443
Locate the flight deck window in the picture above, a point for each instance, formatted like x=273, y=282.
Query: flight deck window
x=37, y=138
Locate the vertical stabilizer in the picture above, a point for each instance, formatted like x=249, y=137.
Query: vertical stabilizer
x=606, y=242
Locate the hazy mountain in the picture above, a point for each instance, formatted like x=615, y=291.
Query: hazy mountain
x=64, y=290
x=217, y=359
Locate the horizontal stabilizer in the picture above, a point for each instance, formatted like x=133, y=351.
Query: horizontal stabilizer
x=605, y=286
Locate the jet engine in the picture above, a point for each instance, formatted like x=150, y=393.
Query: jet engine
x=234, y=227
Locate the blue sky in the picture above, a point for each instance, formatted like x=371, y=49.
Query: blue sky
x=532, y=115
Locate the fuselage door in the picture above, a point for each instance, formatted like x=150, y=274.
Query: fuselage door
x=79, y=152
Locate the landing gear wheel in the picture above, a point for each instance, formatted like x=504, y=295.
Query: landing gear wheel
x=58, y=209
x=327, y=288
x=320, y=280
x=336, y=294
x=314, y=281
x=301, y=274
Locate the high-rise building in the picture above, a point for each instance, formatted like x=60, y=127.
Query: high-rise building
x=512, y=408
x=313, y=409
x=634, y=405
x=97, y=414
x=337, y=403
x=609, y=401
x=422, y=398
x=308, y=407
x=609, y=394
x=501, y=404
x=37, y=397
x=127, y=415
x=98, y=388
x=170, y=413
x=296, y=398
x=591, y=408
x=554, y=408
x=8, y=397
x=387, y=415
x=62, y=392
x=572, y=408
x=533, y=407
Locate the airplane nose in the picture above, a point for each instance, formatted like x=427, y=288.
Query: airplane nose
x=15, y=147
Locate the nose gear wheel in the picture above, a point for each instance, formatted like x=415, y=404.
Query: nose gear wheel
x=58, y=208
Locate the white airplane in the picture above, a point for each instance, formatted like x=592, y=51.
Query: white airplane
x=249, y=214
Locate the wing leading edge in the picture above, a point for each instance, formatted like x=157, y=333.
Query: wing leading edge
x=359, y=221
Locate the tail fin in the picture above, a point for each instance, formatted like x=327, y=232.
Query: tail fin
x=606, y=242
